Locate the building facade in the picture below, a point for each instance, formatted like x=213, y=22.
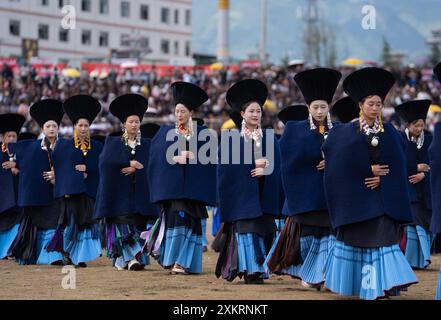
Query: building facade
x=152, y=30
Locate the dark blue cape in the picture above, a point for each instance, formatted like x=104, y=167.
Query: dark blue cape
x=414, y=157
x=348, y=164
x=8, y=187
x=176, y=181
x=70, y=181
x=117, y=194
x=300, y=150
x=435, y=178
x=32, y=161
x=238, y=192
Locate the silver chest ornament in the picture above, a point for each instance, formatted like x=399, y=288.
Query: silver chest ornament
x=133, y=152
x=374, y=141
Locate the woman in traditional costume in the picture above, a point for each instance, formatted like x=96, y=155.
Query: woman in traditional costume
x=435, y=178
x=77, y=176
x=181, y=184
x=417, y=239
x=36, y=191
x=304, y=244
x=10, y=213
x=248, y=187
x=366, y=192
x=123, y=191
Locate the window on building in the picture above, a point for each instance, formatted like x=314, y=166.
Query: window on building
x=14, y=28
x=144, y=12
x=176, y=16
x=187, y=48
x=165, y=46
x=187, y=17
x=125, y=40
x=165, y=15
x=86, y=37
x=125, y=9
x=63, y=35
x=62, y=3
x=104, y=6
x=85, y=5
x=176, y=46
x=45, y=3
x=104, y=39
x=43, y=31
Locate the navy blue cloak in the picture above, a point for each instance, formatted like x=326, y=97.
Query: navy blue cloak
x=179, y=181
x=348, y=165
x=300, y=150
x=70, y=181
x=120, y=195
x=8, y=187
x=32, y=161
x=435, y=178
x=415, y=156
x=238, y=192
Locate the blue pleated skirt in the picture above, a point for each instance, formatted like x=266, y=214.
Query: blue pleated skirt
x=6, y=239
x=248, y=256
x=418, y=246
x=216, y=221
x=368, y=273
x=312, y=269
x=280, y=223
x=44, y=237
x=438, y=289
x=204, y=232
x=293, y=270
x=180, y=245
x=85, y=247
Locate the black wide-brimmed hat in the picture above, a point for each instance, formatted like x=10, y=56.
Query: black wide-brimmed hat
x=99, y=137
x=411, y=111
x=199, y=121
x=296, y=112
x=245, y=91
x=318, y=84
x=11, y=122
x=188, y=94
x=148, y=130
x=237, y=118
x=127, y=105
x=82, y=107
x=346, y=110
x=46, y=110
x=27, y=136
x=368, y=82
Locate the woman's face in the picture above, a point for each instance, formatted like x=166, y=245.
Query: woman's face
x=319, y=110
x=50, y=129
x=132, y=125
x=372, y=107
x=10, y=137
x=416, y=127
x=252, y=115
x=182, y=114
x=82, y=128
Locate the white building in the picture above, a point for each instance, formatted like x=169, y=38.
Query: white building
x=162, y=28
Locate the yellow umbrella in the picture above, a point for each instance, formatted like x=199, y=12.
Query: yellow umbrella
x=270, y=106
x=71, y=73
x=352, y=62
x=229, y=124
x=434, y=108
x=216, y=66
